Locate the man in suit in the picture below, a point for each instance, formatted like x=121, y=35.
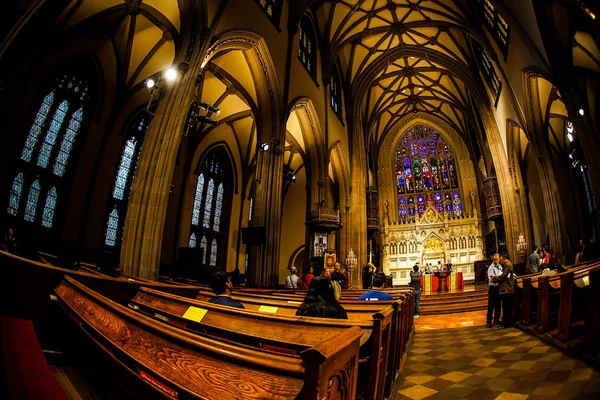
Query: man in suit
x=534, y=261
x=506, y=287
x=338, y=276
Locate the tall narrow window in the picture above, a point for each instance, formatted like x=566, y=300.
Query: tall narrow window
x=424, y=166
x=307, y=46
x=48, y=147
x=125, y=171
x=210, y=220
x=48, y=214
x=36, y=128
x=112, y=227
x=213, y=253
x=272, y=9
x=198, y=200
x=488, y=71
x=15, y=194
x=250, y=209
x=32, y=201
x=192, y=242
x=494, y=23
x=336, y=92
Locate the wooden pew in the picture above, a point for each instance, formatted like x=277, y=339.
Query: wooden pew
x=177, y=363
x=380, y=345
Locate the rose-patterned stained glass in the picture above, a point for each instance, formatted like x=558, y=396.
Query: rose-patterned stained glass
x=425, y=165
x=218, y=208
x=52, y=135
x=37, y=127
x=112, y=228
x=307, y=45
x=15, y=194
x=192, y=242
x=32, y=201
x=127, y=159
x=213, y=253
x=49, y=207
x=67, y=143
x=198, y=200
x=208, y=203
x=204, y=247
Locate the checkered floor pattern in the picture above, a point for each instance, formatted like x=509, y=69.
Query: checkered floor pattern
x=481, y=363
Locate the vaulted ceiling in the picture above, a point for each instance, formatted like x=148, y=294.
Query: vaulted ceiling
x=429, y=40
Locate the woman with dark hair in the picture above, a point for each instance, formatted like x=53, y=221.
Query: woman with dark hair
x=320, y=301
x=307, y=277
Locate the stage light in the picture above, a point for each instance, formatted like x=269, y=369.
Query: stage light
x=570, y=137
x=293, y=178
x=208, y=107
x=581, y=111
x=150, y=83
x=206, y=120
x=171, y=74
x=263, y=146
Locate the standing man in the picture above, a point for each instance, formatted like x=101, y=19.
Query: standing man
x=338, y=276
x=494, y=270
x=506, y=288
x=292, y=281
x=534, y=261
x=415, y=283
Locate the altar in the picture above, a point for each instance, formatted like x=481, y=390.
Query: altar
x=431, y=283
x=431, y=238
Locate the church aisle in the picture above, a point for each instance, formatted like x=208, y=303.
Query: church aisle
x=481, y=363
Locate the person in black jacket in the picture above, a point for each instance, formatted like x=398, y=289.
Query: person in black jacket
x=320, y=301
x=368, y=276
x=338, y=276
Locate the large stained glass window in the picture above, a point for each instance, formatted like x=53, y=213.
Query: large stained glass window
x=48, y=214
x=426, y=175
x=210, y=220
x=36, y=128
x=32, y=201
x=15, y=194
x=53, y=130
x=125, y=172
x=67, y=143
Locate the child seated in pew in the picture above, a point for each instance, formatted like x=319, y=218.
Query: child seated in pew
x=220, y=283
x=320, y=301
x=375, y=293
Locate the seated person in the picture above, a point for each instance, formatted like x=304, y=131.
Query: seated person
x=220, y=283
x=320, y=301
x=375, y=293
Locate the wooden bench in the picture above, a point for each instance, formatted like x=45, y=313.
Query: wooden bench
x=24, y=366
x=175, y=363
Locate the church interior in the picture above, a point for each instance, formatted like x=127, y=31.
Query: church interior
x=359, y=147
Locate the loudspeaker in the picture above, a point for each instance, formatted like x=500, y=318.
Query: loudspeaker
x=254, y=235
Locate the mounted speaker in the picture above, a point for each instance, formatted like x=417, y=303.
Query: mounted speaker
x=254, y=235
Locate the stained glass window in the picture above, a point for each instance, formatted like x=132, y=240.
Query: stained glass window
x=15, y=194
x=494, y=23
x=37, y=127
x=125, y=168
x=218, y=208
x=425, y=166
x=67, y=143
x=213, y=253
x=307, y=45
x=198, y=200
x=204, y=247
x=208, y=203
x=53, y=130
x=488, y=71
x=48, y=215
x=272, y=9
x=112, y=228
x=32, y=201
x=250, y=209
x=335, y=91
x=192, y=243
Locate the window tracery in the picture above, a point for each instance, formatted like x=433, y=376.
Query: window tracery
x=426, y=175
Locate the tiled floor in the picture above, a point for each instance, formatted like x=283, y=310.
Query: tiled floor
x=426, y=322
x=481, y=363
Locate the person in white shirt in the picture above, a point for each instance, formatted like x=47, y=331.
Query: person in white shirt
x=292, y=281
x=495, y=269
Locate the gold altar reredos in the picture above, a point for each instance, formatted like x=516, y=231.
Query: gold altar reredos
x=433, y=236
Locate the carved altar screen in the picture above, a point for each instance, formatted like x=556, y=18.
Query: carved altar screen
x=426, y=175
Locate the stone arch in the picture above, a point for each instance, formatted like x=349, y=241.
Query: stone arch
x=340, y=170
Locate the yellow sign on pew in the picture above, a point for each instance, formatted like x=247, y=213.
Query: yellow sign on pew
x=294, y=302
x=195, y=314
x=268, y=309
x=586, y=280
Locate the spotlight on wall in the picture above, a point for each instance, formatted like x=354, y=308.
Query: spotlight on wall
x=171, y=74
x=205, y=120
x=208, y=108
x=288, y=174
x=263, y=146
x=150, y=83
x=581, y=111
x=570, y=137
